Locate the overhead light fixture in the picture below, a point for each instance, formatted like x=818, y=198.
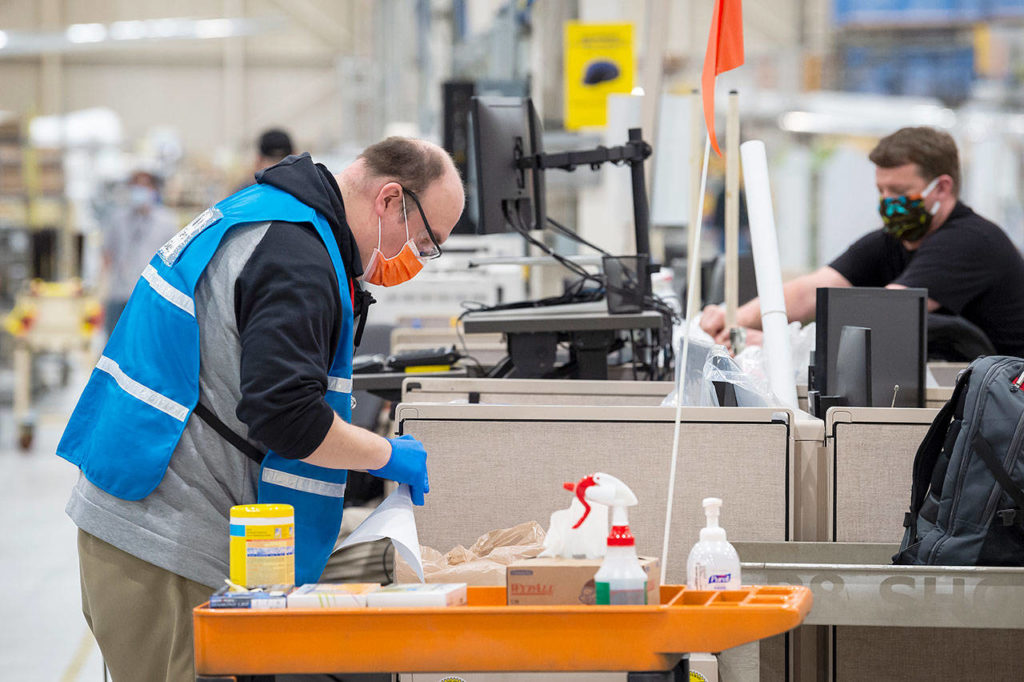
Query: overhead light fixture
x=86, y=33
x=215, y=28
x=92, y=36
x=128, y=30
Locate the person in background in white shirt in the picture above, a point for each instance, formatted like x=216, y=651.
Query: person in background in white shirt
x=135, y=230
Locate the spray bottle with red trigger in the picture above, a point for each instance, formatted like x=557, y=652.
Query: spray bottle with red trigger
x=621, y=579
x=577, y=532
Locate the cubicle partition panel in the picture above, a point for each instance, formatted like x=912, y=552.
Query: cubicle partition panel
x=535, y=391
x=937, y=396
x=498, y=466
x=945, y=373
x=872, y=463
x=807, y=458
x=924, y=654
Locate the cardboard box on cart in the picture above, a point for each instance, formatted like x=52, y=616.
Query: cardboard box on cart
x=554, y=580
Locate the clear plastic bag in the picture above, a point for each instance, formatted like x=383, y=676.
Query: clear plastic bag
x=700, y=349
x=801, y=341
x=708, y=362
x=751, y=387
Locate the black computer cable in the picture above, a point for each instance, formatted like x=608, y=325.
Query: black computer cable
x=575, y=236
x=565, y=262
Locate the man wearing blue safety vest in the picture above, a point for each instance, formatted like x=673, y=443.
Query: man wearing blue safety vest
x=228, y=381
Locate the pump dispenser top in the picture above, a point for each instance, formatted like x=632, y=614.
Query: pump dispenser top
x=712, y=532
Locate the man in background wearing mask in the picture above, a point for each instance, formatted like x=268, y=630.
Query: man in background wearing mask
x=134, y=231
x=929, y=239
x=229, y=382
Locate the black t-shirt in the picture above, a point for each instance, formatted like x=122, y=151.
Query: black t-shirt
x=969, y=266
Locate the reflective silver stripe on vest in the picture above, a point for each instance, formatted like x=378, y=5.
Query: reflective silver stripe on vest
x=339, y=384
x=166, y=291
x=302, y=483
x=143, y=393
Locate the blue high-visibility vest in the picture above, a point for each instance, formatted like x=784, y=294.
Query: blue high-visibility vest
x=133, y=410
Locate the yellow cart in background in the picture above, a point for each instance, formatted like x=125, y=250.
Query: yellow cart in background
x=48, y=317
x=647, y=642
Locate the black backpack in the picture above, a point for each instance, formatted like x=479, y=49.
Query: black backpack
x=966, y=505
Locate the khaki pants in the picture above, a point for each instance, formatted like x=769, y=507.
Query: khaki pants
x=141, y=615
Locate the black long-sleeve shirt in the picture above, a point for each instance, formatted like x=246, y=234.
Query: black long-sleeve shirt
x=288, y=314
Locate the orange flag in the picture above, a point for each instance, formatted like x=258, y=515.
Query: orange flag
x=725, y=52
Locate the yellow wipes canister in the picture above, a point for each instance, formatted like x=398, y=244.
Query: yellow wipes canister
x=263, y=544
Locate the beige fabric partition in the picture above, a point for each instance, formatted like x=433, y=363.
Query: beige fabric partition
x=497, y=466
x=927, y=654
x=535, y=391
x=872, y=452
x=937, y=396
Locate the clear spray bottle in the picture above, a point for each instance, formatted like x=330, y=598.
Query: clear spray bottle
x=621, y=579
x=713, y=563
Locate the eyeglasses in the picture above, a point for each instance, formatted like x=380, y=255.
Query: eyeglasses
x=434, y=250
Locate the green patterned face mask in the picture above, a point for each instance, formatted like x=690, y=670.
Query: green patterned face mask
x=905, y=217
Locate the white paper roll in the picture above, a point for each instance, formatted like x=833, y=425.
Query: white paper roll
x=765, y=246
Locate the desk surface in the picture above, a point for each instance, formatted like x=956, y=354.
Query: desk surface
x=579, y=317
x=392, y=381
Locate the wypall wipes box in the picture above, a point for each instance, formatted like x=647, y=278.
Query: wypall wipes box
x=553, y=580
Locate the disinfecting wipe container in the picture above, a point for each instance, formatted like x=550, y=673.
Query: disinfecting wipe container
x=263, y=544
x=713, y=562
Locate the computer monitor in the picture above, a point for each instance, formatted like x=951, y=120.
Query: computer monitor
x=504, y=130
x=853, y=366
x=898, y=321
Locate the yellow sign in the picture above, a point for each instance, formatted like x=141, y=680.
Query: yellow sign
x=598, y=62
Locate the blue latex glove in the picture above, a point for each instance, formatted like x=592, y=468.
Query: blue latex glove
x=408, y=464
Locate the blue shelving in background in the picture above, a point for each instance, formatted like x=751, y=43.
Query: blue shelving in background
x=882, y=13
x=937, y=71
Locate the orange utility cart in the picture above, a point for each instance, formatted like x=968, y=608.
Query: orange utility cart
x=649, y=642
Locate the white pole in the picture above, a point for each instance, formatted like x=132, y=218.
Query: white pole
x=765, y=245
x=691, y=304
x=696, y=203
x=732, y=209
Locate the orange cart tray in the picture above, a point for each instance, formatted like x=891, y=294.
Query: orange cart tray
x=487, y=635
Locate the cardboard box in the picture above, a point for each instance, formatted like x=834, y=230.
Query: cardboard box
x=330, y=595
x=401, y=595
x=546, y=581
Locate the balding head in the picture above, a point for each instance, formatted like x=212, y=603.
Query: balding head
x=414, y=164
x=373, y=188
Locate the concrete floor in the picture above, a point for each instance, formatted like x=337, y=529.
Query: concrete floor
x=44, y=634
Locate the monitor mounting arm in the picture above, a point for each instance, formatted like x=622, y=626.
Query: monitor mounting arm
x=634, y=152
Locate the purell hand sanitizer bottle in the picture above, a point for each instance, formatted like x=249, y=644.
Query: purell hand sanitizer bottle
x=713, y=562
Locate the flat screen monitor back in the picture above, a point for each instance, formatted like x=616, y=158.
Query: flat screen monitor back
x=503, y=130
x=853, y=366
x=898, y=322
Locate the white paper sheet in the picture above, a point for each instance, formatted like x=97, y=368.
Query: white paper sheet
x=393, y=519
